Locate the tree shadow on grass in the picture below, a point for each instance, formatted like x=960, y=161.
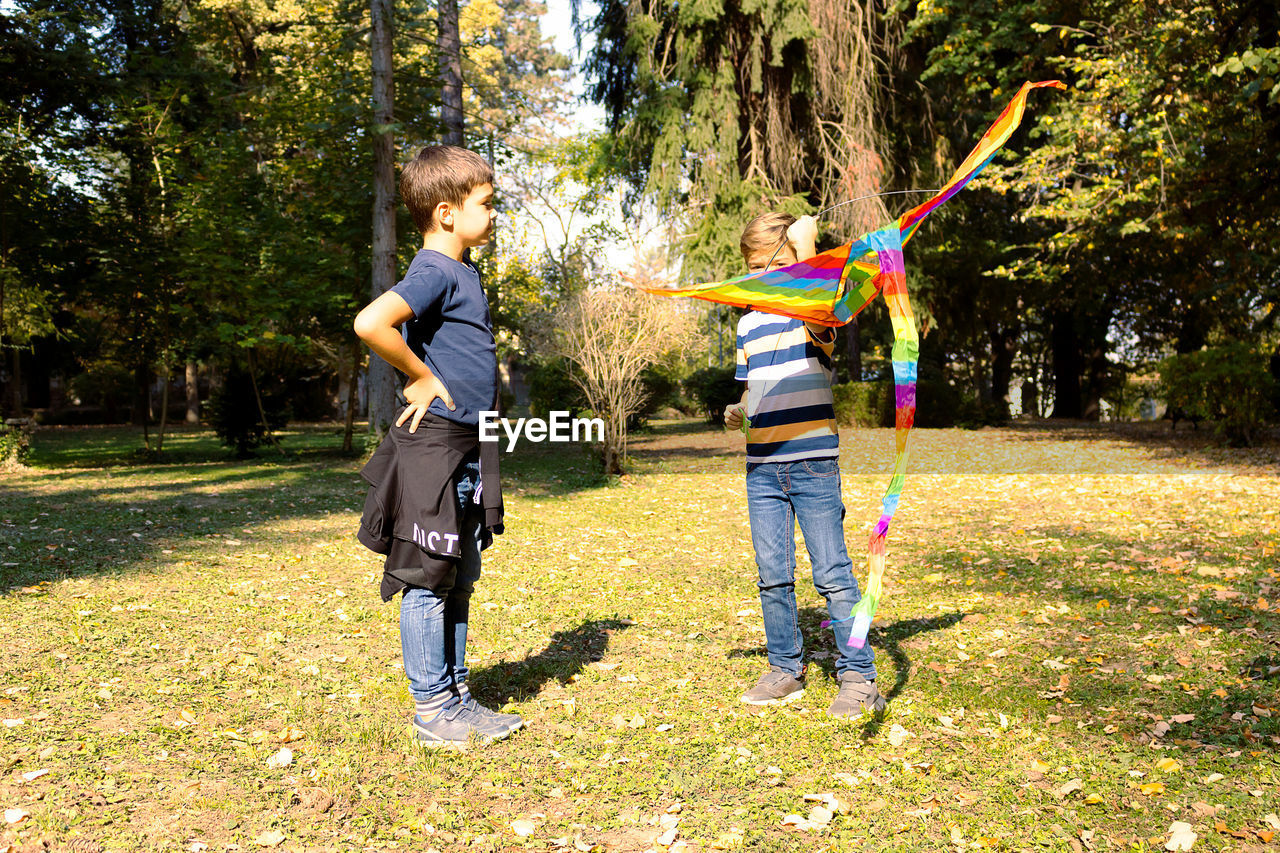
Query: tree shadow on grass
x=567, y=654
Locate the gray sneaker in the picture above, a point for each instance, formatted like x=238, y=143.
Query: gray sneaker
x=774, y=688
x=508, y=723
x=454, y=727
x=857, y=696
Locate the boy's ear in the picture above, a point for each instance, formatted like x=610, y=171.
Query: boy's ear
x=442, y=215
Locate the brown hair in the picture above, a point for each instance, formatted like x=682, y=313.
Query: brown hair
x=767, y=231
x=440, y=173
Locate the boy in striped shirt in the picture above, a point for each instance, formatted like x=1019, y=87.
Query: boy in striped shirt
x=793, y=474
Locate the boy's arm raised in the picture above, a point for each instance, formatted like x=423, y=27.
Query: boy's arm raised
x=378, y=325
x=803, y=237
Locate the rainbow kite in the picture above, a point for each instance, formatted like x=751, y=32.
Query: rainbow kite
x=831, y=288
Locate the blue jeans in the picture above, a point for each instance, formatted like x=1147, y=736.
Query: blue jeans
x=433, y=625
x=778, y=495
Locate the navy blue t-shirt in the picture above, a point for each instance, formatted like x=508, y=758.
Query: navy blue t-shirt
x=450, y=331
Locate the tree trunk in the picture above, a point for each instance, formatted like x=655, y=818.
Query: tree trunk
x=164, y=407
x=1099, y=370
x=382, y=380
x=141, y=394
x=449, y=48
x=1004, y=346
x=193, y=393
x=15, y=383
x=1066, y=366
x=853, y=350
x=353, y=399
x=257, y=396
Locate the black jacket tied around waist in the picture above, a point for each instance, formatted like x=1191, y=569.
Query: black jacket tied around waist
x=411, y=511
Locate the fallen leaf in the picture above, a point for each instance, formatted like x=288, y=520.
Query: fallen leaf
x=820, y=815
x=1169, y=765
x=1204, y=809
x=1182, y=718
x=897, y=734
x=289, y=734
x=15, y=816
x=1153, y=788
x=828, y=801
x=32, y=775
x=283, y=758
x=270, y=838
x=523, y=828
x=1272, y=821
x=1180, y=836
x=1069, y=788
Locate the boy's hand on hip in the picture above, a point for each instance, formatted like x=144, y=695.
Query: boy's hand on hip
x=419, y=394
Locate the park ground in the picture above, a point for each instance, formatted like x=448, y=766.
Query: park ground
x=1080, y=640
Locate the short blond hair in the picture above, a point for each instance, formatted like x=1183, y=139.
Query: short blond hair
x=440, y=173
x=768, y=231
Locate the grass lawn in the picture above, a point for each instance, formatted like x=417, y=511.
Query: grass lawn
x=1080, y=639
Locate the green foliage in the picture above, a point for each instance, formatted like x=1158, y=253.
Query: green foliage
x=715, y=390
x=975, y=412
x=15, y=444
x=213, y=164
x=1127, y=395
x=660, y=390
x=724, y=109
x=104, y=383
x=1230, y=385
x=551, y=389
x=864, y=404
x=232, y=410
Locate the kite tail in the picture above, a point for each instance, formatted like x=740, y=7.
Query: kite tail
x=891, y=282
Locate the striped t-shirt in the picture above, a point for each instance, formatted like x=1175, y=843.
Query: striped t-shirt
x=789, y=404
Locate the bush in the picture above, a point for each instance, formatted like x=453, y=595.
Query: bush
x=976, y=413
x=1230, y=385
x=659, y=391
x=864, y=404
x=552, y=389
x=715, y=390
x=233, y=412
x=938, y=402
x=106, y=384
x=15, y=443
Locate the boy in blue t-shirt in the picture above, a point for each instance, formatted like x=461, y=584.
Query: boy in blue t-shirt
x=449, y=358
x=793, y=474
